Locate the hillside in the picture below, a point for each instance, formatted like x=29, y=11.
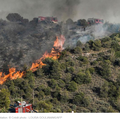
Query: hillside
x=85, y=78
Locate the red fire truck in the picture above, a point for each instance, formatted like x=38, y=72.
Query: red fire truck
x=92, y=21
x=23, y=107
x=50, y=19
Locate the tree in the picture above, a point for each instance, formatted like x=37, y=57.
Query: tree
x=67, y=77
x=96, y=45
x=52, y=83
x=4, y=98
x=81, y=100
x=105, y=71
x=41, y=95
x=52, y=68
x=12, y=89
x=80, y=78
x=83, y=59
x=88, y=77
x=104, y=90
x=42, y=105
x=82, y=22
x=87, y=48
x=72, y=86
x=79, y=44
x=40, y=72
x=78, y=50
x=61, y=83
x=47, y=91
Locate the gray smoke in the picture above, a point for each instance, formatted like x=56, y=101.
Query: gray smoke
x=63, y=9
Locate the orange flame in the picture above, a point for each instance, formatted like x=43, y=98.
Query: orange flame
x=55, y=54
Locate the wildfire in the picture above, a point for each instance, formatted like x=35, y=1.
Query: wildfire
x=55, y=54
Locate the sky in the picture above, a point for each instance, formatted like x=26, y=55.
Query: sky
x=109, y=10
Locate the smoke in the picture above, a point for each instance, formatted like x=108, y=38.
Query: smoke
x=105, y=9
x=63, y=9
x=30, y=8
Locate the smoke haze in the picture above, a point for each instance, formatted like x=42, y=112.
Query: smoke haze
x=63, y=9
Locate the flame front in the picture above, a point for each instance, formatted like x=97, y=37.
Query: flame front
x=55, y=54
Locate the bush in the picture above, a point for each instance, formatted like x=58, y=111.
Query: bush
x=52, y=68
x=81, y=100
x=41, y=95
x=40, y=87
x=47, y=91
x=92, y=70
x=105, y=71
x=4, y=98
x=79, y=43
x=94, y=63
x=55, y=101
x=52, y=83
x=87, y=48
x=70, y=69
x=88, y=77
x=68, y=77
x=72, y=86
x=64, y=53
x=69, y=62
x=117, y=54
x=40, y=72
x=96, y=45
x=80, y=78
x=104, y=90
x=42, y=105
x=83, y=59
x=61, y=83
x=115, y=45
x=78, y=50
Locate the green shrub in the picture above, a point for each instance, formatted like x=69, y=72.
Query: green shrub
x=40, y=87
x=4, y=98
x=55, y=101
x=47, y=91
x=53, y=83
x=78, y=50
x=41, y=95
x=52, y=68
x=94, y=63
x=79, y=43
x=70, y=69
x=67, y=78
x=43, y=106
x=105, y=71
x=40, y=72
x=81, y=100
x=72, y=86
x=96, y=45
x=87, y=77
x=80, y=78
x=104, y=90
x=87, y=48
x=83, y=59
x=117, y=54
x=92, y=70
x=61, y=83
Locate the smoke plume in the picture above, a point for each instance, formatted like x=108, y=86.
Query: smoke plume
x=63, y=9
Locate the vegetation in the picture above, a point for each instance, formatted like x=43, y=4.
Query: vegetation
x=76, y=81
